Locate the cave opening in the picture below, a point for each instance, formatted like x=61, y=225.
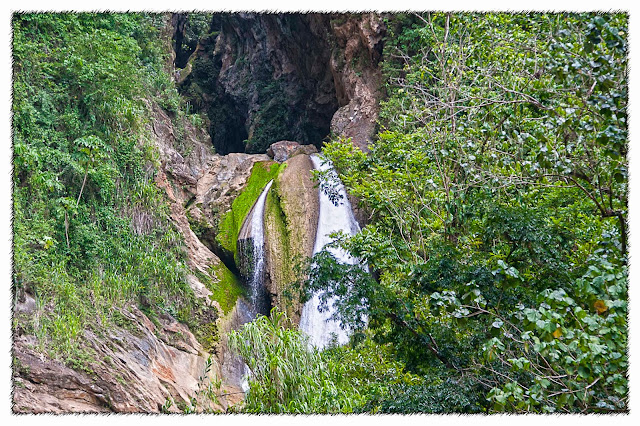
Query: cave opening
x=259, y=79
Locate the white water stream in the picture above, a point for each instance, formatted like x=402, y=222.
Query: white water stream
x=258, y=291
x=258, y=302
x=318, y=325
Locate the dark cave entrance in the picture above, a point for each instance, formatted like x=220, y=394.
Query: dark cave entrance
x=238, y=80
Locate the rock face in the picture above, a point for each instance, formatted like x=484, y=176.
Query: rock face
x=291, y=218
x=261, y=78
x=224, y=179
x=137, y=369
x=282, y=150
x=354, y=65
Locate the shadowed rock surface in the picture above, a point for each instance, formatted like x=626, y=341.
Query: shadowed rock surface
x=282, y=150
x=261, y=78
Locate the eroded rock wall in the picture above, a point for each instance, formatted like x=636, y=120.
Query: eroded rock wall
x=137, y=369
x=261, y=78
x=358, y=80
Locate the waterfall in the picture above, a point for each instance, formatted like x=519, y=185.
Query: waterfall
x=251, y=254
x=318, y=325
x=251, y=249
x=259, y=296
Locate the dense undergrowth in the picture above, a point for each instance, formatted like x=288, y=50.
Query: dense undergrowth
x=91, y=229
x=496, y=192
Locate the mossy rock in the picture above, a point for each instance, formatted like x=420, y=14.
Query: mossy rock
x=228, y=288
x=231, y=222
x=291, y=218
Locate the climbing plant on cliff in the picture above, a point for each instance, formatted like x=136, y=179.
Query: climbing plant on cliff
x=91, y=229
x=497, y=192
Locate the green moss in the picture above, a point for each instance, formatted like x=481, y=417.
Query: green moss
x=201, y=318
x=280, y=238
x=228, y=288
x=278, y=222
x=231, y=222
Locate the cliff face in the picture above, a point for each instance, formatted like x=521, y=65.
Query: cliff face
x=354, y=66
x=262, y=78
x=259, y=79
x=136, y=369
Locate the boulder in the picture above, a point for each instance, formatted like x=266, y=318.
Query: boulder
x=283, y=150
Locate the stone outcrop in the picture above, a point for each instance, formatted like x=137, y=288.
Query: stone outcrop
x=283, y=150
x=358, y=79
x=291, y=218
x=224, y=179
x=137, y=369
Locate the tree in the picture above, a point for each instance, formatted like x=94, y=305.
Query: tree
x=90, y=151
x=496, y=186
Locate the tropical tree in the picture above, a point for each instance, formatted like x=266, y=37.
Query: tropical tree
x=496, y=192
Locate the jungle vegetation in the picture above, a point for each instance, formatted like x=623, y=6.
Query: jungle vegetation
x=496, y=192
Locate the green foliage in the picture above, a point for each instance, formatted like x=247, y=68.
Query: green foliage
x=583, y=334
x=287, y=375
x=497, y=197
x=91, y=229
x=228, y=288
x=439, y=396
x=231, y=222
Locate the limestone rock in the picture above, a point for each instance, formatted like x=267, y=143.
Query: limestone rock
x=132, y=370
x=354, y=64
x=291, y=218
x=283, y=150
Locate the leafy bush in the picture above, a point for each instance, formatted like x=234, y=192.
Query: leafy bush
x=288, y=375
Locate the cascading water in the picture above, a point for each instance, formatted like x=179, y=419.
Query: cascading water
x=251, y=247
x=319, y=325
x=259, y=296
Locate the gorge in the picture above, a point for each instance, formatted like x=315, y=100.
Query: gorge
x=251, y=80
x=320, y=213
